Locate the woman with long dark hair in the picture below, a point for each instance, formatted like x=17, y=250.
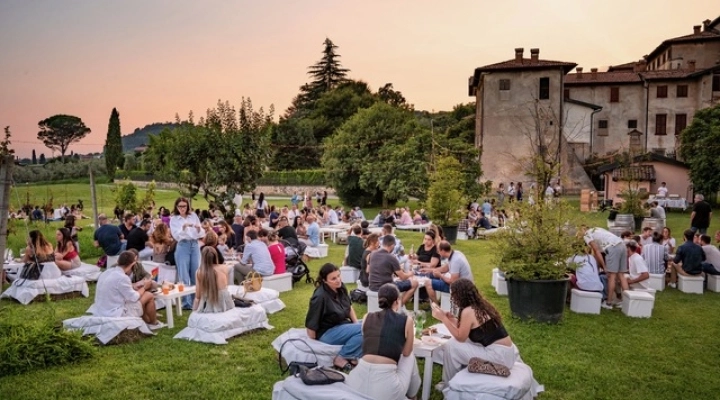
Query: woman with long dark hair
x=211, y=293
x=74, y=229
x=38, y=248
x=387, y=369
x=66, y=257
x=477, y=331
x=186, y=230
x=261, y=207
x=331, y=318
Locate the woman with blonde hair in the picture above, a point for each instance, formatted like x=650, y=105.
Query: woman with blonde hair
x=38, y=248
x=211, y=293
x=225, y=229
x=161, y=242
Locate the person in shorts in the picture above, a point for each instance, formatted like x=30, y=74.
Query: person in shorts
x=614, y=262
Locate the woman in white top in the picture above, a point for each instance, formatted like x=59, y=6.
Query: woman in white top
x=639, y=276
x=186, y=230
x=668, y=241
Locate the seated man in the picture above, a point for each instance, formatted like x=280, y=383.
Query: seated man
x=657, y=211
x=255, y=257
x=116, y=296
x=688, y=259
x=655, y=254
x=108, y=237
x=313, y=232
x=457, y=265
x=712, y=256
x=355, y=248
x=398, y=249
x=382, y=265
x=639, y=277
x=138, y=239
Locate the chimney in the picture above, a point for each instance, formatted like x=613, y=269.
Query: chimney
x=519, y=55
x=691, y=65
x=593, y=73
x=579, y=72
x=706, y=25
x=696, y=29
x=534, y=55
x=640, y=66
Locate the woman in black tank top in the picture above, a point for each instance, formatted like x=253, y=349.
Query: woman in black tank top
x=477, y=331
x=388, y=369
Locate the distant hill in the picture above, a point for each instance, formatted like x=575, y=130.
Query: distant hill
x=142, y=136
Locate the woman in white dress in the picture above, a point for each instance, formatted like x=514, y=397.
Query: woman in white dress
x=211, y=292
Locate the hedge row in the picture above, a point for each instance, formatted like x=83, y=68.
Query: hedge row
x=312, y=177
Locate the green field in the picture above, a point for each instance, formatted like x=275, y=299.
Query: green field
x=608, y=356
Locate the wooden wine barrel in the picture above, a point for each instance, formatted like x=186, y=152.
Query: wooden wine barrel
x=625, y=221
x=656, y=223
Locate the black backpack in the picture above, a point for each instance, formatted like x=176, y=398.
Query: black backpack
x=30, y=271
x=358, y=296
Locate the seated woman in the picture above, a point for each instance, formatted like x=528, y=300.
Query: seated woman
x=277, y=252
x=417, y=218
x=427, y=256
x=668, y=241
x=161, y=240
x=74, y=229
x=38, y=248
x=225, y=229
x=211, y=293
x=371, y=244
x=66, y=257
x=138, y=272
x=477, y=332
x=331, y=318
x=387, y=369
x=211, y=240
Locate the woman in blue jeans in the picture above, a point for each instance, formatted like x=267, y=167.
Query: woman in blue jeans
x=331, y=318
x=186, y=229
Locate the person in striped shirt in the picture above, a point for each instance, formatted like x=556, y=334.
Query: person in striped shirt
x=655, y=254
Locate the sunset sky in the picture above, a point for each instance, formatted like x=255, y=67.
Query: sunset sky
x=152, y=58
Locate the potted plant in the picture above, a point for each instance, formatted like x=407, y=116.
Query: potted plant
x=632, y=206
x=445, y=198
x=533, y=255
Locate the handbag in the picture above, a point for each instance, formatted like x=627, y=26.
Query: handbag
x=294, y=367
x=320, y=376
x=479, y=366
x=30, y=271
x=252, y=282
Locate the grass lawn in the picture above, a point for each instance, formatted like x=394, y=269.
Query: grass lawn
x=608, y=356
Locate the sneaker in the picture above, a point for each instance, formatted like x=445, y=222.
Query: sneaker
x=606, y=306
x=158, y=325
x=673, y=285
x=440, y=386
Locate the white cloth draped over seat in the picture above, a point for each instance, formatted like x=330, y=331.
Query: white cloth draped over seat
x=106, y=329
x=268, y=298
x=520, y=385
x=315, y=351
x=293, y=388
x=25, y=291
x=89, y=272
x=216, y=328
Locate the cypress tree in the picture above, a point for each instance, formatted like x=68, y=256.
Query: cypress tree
x=34, y=158
x=113, y=145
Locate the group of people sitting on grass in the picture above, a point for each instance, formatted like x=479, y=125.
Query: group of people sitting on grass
x=377, y=352
x=629, y=260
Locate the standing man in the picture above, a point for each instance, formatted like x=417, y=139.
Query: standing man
x=615, y=262
x=701, y=215
x=457, y=265
x=662, y=191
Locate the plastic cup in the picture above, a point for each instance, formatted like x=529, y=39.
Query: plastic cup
x=165, y=290
x=180, y=286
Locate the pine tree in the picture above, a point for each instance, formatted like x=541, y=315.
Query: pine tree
x=113, y=145
x=326, y=73
x=34, y=157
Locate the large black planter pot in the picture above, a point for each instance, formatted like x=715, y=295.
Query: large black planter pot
x=638, y=223
x=542, y=301
x=450, y=233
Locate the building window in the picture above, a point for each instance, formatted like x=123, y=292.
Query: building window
x=566, y=93
x=544, y=89
x=632, y=124
x=504, y=84
x=602, y=124
x=614, y=94
x=661, y=124
x=662, y=92
x=680, y=123
x=716, y=83
x=682, y=90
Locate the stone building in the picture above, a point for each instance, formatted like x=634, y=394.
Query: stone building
x=641, y=106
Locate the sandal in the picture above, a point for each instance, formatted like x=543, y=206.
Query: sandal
x=345, y=368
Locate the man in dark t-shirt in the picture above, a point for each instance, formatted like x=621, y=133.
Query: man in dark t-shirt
x=286, y=232
x=107, y=237
x=383, y=265
x=127, y=225
x=138, y=239
x=688, y=258
x=701, y=215
x=239, y=231
x=355, y=249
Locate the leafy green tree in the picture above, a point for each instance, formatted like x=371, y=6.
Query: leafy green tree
x=392, y=96
x=113, y=145
x=60, y=131
x=698, y=148
x=126, y=197
x=130, y=162
x=445, y=195
x=5, y=149
x=294, y=144
x=379, y=155
x=34, y=157
x=42, y=158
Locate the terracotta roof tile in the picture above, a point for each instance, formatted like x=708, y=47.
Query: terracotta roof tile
x=667, y=74
x=622, y=67
x=526, y=64
x=700, y=37
x=602, y=78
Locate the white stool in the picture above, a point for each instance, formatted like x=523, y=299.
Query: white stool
x=372, y=301
x=494, y=279
x=279, y=282
x=349, y=274
x=501, y=287
x=111, y=261
x=445, y=302
x=323, y=249
x=690, y=284
x=713, y=283
x=462, y=235
x=637, y=303
x=584, y=302
x=657, y=282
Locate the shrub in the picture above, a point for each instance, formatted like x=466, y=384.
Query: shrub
x=25, y=348
x=311, y=177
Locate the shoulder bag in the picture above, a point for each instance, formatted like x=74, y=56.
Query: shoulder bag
x=294, y=367
x=252, y=282
x=320, y=376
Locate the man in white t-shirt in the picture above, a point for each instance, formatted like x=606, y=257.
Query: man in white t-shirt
x=615, y=262
x=662, y=191
x=638, y=270
x=712, y=256
x=646, y=236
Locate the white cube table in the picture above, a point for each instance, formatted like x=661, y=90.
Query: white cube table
x=173, y=296
x=637, y=303
x=425, y=351
x=501, y=287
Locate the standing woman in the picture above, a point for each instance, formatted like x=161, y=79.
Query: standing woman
x=501, y=194
x=519, y=192
x=387, y=369
x=66, y=257
x=331, y=318
x=186, y=230
x=261, y=207
x=323, y=200
x=476, y=332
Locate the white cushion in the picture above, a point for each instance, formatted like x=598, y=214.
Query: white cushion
x=88, y=271
x=296, y=351
x=217, y=327
x=520, y=385
x=293, y=388
x=25, y=291
x=106, y=328
x=268, y=298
